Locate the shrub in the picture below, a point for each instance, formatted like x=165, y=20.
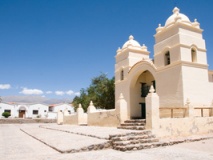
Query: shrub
x=6, y=114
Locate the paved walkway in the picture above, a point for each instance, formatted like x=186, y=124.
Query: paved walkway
x=16, y=144
x=92, y=131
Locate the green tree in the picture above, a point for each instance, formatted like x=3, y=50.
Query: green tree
x=101, y=91
x=82, y=99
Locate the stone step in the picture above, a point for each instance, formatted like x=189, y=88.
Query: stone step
x=132, y=127
x=130, y=142
x=144, y=132
x=140, y=146
x=135, y=121
x=127, y=138
x=133, y=124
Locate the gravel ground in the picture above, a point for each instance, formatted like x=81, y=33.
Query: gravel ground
x=16, y=145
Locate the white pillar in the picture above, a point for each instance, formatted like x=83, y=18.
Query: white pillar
x=60, y=117
x=121, y=108
x=91, y=108
x=81, y=116
x=152, y=110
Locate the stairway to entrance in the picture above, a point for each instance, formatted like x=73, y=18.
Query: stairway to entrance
x=136, y=140
x=133, y=124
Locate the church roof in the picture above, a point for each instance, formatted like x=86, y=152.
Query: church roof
x=177, y=16
x=180, y=18
x=131, y=42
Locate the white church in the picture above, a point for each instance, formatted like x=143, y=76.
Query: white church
x=171, y=95
x=178, y=72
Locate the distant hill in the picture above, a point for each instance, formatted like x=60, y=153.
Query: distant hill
x=34, y=99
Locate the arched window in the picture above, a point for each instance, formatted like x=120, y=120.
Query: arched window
x=194, y=55
x=167, y=58
x=122, y=75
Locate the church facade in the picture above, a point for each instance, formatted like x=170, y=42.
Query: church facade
x=171, y=95
x=179, y=71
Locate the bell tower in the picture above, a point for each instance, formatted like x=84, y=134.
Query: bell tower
x=180, y=40
x=181, y=60
x=130, y=53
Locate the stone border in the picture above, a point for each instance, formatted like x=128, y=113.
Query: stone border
x=161, y=143
x=94, y=147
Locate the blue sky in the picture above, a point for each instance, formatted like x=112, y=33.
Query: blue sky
x=52, y=48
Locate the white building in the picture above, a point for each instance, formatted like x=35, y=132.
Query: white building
x=61, y=107
x=179, y=70
x=180, y=86
x=33, y=110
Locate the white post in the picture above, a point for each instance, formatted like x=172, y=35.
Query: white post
x=91, y=108
x=81, y=116
x=152, y=109
x=121, y=108
x=60, y=117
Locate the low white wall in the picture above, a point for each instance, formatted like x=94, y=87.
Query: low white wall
x=172, y=127
x=71, y=119
x=103, y=118
x=75, y=119
x=51, y=115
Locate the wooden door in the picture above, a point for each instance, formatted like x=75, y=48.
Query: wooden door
x=21, y=113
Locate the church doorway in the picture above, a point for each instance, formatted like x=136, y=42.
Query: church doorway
x=139, y=91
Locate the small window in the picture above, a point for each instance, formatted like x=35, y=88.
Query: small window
x=7, y=110
x=167, y=58
x=35, y=112
x=194, y=55
x=122, y=75
x=45, y=110
x=50, y=109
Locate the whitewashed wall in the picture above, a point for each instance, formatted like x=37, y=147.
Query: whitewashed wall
x=4, y=106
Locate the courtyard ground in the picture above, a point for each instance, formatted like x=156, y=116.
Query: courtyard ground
x=48, y=141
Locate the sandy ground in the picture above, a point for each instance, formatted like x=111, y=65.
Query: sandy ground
x=16, y=145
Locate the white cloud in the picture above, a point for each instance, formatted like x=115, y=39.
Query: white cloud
x=59, y=93
x=27, y=91
x=49, y=92
x=77, y=93
x=70, y=92
x=5, y=86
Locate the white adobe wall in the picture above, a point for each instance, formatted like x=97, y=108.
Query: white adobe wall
x=173, y=127
x=197, y=86
x=122, y=87
x=42, y=110
x=169, y=86
x=103, y=118
x=4, y=106
x=62, y=107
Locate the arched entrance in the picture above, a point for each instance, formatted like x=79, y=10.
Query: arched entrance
x=138, y=91
x=22, y=112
